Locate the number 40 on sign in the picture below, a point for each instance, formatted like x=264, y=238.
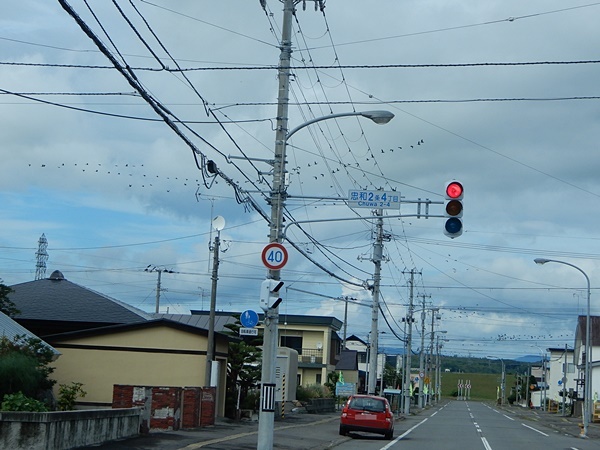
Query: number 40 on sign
x=274, y=256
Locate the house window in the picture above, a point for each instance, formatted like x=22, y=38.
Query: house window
x=294, y=342
x=318, y=378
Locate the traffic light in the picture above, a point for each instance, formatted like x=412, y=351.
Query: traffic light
x=453, y=209
x=269, y=294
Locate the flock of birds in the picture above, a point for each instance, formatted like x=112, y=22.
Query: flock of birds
x=151, y=181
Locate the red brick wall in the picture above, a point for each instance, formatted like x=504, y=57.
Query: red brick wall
x=168, y=408
x=165, y=413
x=190, y=418
x=207, y=408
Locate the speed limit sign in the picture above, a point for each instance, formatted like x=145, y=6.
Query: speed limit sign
x=274, y=256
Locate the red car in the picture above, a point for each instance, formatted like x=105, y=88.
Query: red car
x=367, y=413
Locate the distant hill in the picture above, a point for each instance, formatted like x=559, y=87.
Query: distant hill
x=530, y=359
x=458, y=364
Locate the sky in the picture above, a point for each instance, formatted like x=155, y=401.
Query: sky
x=501, y=95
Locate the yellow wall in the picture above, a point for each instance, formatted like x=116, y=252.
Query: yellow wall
x=115, y=359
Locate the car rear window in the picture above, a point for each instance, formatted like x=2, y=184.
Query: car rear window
x=368, y=404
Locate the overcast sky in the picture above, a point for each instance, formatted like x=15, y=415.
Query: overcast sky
x=502, y=95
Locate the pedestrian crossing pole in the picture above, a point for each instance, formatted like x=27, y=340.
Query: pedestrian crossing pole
x=283, y=396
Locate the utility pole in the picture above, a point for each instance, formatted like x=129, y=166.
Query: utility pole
x=409, y=318
x=277, y=202
x=218, y=224
x=374, y=336
x=158, y=292
x=564, y=384
x=422, y=354
x=429, y=362
x=151, y=268
x=346, y=300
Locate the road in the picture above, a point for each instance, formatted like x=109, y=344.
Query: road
x=452, y=425
x=466, y=425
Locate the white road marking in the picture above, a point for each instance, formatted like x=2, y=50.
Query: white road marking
x=531, y=428
x=403, y=435
x=485, y=444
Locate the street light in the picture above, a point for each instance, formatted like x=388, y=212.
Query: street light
x=587, y=393
x=380, y=117
x=277, y=201
x=438, y=376
x=503, y=380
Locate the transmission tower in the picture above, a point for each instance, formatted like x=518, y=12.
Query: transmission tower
x=41, y=258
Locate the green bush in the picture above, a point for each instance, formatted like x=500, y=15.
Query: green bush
x=305, y=393
x=19, y=373
x=67, y=395
x=20, y=402
x=25, y=366
x=251, y=400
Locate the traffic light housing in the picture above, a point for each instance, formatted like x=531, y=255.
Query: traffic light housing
x=269, y=294
x=453, y=209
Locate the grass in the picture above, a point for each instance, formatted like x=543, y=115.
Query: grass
x=483, y=385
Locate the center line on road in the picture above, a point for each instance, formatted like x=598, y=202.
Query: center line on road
x=485, y=444
x=403, y=435
x=509, y=418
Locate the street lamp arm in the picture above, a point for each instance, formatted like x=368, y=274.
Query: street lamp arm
x=379, y=117
x=587, y=399
x=542, y=261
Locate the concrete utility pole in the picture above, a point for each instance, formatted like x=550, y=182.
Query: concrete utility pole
x=429, y=362
x=276, y=230
x=277, y=200
x=422, y=354
x=345, y=299
x=564, y=384
x=266, y=417
x=409, y=318
x=210, y=347
x=152, y=268
x=374, y=336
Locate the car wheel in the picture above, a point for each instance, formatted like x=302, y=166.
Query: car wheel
x=389, y=435
x=343, y=431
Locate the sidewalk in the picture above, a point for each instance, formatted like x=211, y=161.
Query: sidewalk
x=224, y=430
x=568, y=425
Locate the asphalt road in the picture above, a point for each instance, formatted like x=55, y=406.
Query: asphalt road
x=466, y=425
x=452, y=425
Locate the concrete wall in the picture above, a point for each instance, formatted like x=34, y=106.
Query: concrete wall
x=66, y=430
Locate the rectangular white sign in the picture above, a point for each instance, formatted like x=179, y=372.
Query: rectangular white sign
x=248, y=331
x=373, y=199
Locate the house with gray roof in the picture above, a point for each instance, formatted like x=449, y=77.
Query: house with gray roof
x=56, y=305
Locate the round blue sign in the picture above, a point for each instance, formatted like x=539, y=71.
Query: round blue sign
x=249, y=318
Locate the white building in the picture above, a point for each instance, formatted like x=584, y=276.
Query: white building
x=561, y=373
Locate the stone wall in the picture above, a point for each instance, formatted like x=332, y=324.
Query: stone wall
x=60, y=430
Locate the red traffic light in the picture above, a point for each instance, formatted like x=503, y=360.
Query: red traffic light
x=454, y=189
x=453, y=209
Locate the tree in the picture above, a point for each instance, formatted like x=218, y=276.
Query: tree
x=24, y=366
x=332, y=378
x=243, y=369
x=391, y=377
x=6, y=305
